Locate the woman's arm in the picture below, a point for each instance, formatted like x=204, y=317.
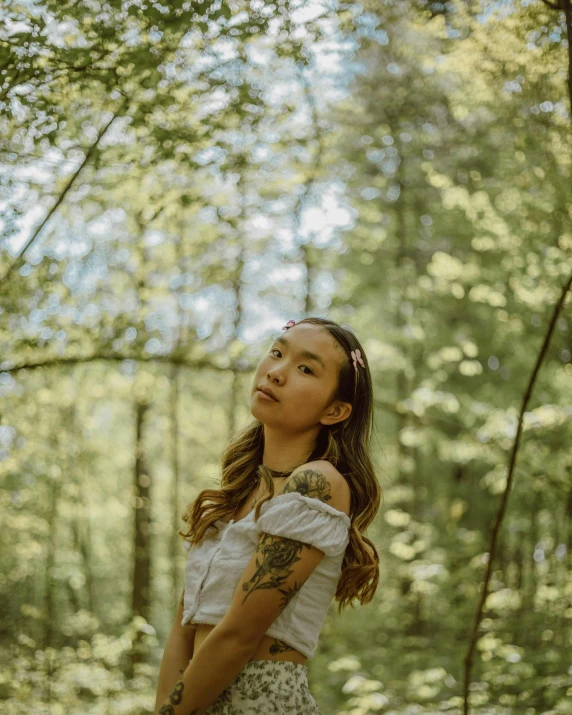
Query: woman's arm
x=221, y=657
x=176, y=656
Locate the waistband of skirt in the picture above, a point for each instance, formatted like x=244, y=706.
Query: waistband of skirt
x=261, y=662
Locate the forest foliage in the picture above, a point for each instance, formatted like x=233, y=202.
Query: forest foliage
x=179, y=179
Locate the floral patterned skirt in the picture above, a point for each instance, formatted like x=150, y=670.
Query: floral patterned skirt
x=267, y=687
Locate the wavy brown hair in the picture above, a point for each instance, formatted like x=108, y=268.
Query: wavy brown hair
x=346, y=445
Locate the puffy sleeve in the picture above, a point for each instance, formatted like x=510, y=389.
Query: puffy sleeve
x=305, y=519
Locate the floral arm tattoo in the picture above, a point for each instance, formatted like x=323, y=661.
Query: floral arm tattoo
x=277, y=554
x=309, y=483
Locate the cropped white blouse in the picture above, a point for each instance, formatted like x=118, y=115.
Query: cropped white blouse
x=214, y=567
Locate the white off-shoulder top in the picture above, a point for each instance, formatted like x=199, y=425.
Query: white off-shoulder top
x=214, y=567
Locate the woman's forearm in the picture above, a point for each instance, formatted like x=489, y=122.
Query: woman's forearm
x=176, y=656
x=214, y=666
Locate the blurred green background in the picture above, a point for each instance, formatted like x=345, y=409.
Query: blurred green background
x=178, y=180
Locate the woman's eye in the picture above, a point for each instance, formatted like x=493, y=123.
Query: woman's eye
x=275, y=350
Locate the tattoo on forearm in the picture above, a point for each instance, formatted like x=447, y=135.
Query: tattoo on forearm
x=175, y=698
x=279, y=647
x=278, y=554
x=310, y=483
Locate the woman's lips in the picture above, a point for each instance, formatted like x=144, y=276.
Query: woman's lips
x=264, y=396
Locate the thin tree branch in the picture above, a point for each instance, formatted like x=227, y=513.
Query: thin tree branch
x=568, y=16
x=504, y=499
x=19, y=259
x=13, y=367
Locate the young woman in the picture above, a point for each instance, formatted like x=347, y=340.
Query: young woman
x=282, y=536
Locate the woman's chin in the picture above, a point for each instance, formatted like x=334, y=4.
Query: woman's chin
x=261, y=412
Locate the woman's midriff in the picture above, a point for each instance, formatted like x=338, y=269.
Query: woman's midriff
x=268, y=649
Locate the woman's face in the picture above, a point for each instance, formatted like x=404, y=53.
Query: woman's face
x=301, y=368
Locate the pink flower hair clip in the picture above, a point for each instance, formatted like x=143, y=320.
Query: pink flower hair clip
x=289, y=324
x=356, y=357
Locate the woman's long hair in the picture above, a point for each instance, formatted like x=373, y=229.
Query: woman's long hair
x=346, y=445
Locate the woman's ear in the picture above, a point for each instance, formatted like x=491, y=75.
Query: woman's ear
x=336, y=412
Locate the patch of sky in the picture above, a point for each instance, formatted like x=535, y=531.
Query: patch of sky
x=224, y=48
x=131, y=37
x=264, y=271
x=375, y=155
x=99, y=226
x=389, y=166
x=154, y=346
x=208, y=214
x=370, y=193
x=260, y=153
x=7, y=384
x=235, y=138
x=215, y=101
x=381, y=37
x=38, y=173
x=209, y=304
x=178, y=281
x=512, y=86
x=128, y=367
x=153, y=238
x=280, y=206
x=323, y=289
x=496, y=9
x=258, y=226
x=12, y=27
x=264, y=319
x=37, y=315
x=26, y=222
x=270, y=137
x=307, y=12
x=258, y=56
x=210, y=155
x=368, y=19
x=393, y=192
x=319, y=222
x=560, y=552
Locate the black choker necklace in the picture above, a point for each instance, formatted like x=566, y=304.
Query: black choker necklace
x=276, y=474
